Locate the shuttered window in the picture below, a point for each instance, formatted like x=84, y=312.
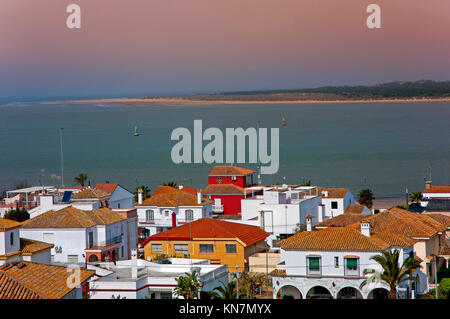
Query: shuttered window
x=314, y=263
x=206, y=248
x=352, y=263
x=183, y=249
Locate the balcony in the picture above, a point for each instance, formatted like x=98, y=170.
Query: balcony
x=109, y=242
x=218, y=209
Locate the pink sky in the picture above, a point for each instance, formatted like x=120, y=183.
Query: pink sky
x=157, y=46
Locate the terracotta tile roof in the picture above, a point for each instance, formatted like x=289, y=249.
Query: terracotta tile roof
x=29, y=280
x=354, y=209
x=189, y=190
x=106, y=187
x=229, y=171
x=70, y=217
x=334, y=192
x=30, y=246
x=278, y=273
x=225, y=189
x=90, y=193
x=166, y=196
x=395, y=240
x=440, y=218
x=403, y=222
x=212, y=228
x=437, y=189
x=341, y=220
x=334, y=238
x=6, y=224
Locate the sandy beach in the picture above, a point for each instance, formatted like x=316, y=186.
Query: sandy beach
x=172, y=101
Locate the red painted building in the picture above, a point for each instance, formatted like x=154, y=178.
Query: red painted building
x=227, y=186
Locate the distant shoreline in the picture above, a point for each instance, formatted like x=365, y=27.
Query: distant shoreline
x=173, y=101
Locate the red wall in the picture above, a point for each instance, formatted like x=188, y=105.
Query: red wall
x=240, y=180
x=231, y=203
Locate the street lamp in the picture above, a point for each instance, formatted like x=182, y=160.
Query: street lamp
x=237, y=282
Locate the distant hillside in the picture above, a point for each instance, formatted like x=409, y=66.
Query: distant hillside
x=393, y=90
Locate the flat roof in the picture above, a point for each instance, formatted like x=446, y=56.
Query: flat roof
x=31, y=189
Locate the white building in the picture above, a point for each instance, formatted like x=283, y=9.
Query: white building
x=169, y=207
x=336, y=200
x=430, y=191
x=138, y=279
x=108, y=195
x=280, y=210
x=25, y=270
x=329, y=263
x=83, y=236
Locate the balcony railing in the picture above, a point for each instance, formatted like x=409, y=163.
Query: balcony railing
x=217, y=208
x=111, y=241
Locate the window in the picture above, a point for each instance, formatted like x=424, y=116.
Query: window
x=334, y=205
x=156, y=248
x=122, y=251
x=11, y=239
x=313, y=265
x=189, y=214
x=230, y=248
x=72, y=259
x=206, y=248
x=180, y=249
x=219, y=180
x=166, y=213
x=351, y=266
x=166, y=295
x=90, y=240
x=336, y=262
x=118, y=205
x=149, y=215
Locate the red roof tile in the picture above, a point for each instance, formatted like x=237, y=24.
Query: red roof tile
x=229, y=171
x=212, y=228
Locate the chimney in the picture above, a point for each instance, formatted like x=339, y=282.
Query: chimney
x=134, y=271
x=174, y=220
x=180, y=186
x=428, y=185
x=308, y=223
x=365, y=229
x=140, y=196
x=106, y=182
x=325, y=193
x=199, y=196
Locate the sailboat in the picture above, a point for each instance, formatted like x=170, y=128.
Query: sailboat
x=136, y=133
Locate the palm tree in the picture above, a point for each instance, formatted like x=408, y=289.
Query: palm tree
x=416, y=197
x=171, y=184
x=145, y=192
x=392, y=274
x=365, y=197
x=80, y=179
x=227, y=291
x=188, y=286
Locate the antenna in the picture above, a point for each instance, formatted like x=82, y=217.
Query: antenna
x=257, y=156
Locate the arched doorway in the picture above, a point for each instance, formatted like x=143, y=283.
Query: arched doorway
x=378, y=293
x=289, y=292
x=93, y=258
x=349, y=293
x=319, y=292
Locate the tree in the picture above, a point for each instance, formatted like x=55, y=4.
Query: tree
x=416, y=197
x=80, y=179
x=251, y=283
x=306, y=183
x=299, y=228
x=171, y=184
x=145, y=192
x=392, y=274
x=227, y=291
x=188, y=286
x=365, y=197
x=19, y=215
